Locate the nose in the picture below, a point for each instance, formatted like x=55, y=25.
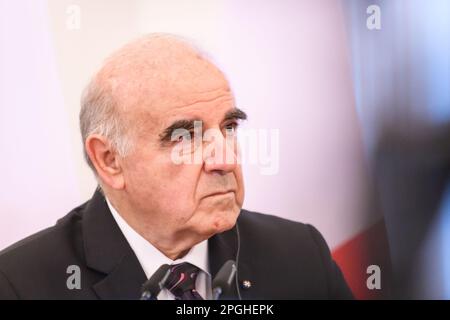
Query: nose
x=220, y=155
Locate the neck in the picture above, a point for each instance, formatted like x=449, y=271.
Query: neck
x=173, y=247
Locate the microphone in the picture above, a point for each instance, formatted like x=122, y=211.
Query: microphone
x=153, y=286
x=224, y=278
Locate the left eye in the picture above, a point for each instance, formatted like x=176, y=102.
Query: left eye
x=231, y=128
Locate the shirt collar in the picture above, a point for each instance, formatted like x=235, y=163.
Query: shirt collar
x=150, y=257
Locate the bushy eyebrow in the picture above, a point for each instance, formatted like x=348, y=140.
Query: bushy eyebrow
x=235, y=114
x=179, y=124
x=188, y=124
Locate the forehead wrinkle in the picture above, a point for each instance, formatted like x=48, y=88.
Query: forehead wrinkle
x=151, y=122
x=198, y=108
x=204, y=97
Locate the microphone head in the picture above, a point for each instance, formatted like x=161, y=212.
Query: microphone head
x=152, y=287
x=225, y=277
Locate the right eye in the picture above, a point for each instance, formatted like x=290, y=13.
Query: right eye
x=185, y=136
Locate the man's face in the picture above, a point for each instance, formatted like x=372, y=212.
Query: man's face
x=196, y=199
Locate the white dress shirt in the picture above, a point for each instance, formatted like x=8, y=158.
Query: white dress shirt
x=151, y=258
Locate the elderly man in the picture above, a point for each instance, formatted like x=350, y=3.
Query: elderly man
x=167, y=196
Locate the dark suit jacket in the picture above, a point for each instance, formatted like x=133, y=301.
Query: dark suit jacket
x=282, y=259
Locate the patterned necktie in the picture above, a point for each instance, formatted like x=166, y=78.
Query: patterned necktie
x=181, y=281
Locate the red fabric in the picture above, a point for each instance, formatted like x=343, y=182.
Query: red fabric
x=354, y=256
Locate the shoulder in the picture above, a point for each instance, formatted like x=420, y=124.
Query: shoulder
x=44, y=240
x=293, y=250
x=43, y=254
x=265, y=227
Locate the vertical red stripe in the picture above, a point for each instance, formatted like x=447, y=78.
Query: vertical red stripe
x=367, y=248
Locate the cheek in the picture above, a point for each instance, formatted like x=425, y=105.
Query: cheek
x=158, y=181
x=240, y=193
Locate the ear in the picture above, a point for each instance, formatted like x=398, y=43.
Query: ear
x=105, y=160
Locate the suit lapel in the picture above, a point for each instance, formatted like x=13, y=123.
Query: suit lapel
x=108, y=251
x=124, y=282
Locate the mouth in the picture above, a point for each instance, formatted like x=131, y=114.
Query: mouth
x=221, y=193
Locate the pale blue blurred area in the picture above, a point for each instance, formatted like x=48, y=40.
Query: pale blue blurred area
x=433, y=19
x=402, y=71
x=401, y=79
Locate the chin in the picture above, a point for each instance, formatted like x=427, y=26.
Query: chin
x=223, y=222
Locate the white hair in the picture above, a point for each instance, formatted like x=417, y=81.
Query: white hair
x=99, y=115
